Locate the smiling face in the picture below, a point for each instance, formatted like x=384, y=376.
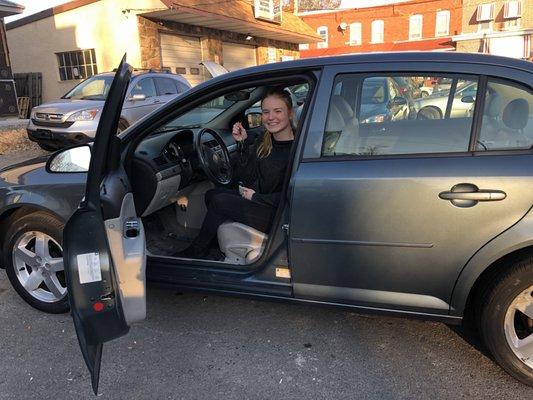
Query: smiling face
x=276, y=115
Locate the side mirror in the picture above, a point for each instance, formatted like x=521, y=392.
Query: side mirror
x=74, y=159
x=137, y=97
x=254, y=119
x=468, y=99
x=398, y=101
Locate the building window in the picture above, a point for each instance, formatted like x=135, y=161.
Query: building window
x=79, y=64
x=442, y=27
x=355, y=34
x=415, y=27
x=323, y=33
x=377, y=31
x=303, y=46
x=485, y=12
x=512, y=9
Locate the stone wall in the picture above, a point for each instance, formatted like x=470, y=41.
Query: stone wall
x=210, y=39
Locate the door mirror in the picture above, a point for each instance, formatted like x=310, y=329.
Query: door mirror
x=74, y=159
x=137, y=97
x=468, y=99
x=254, y=120
x=398, y=101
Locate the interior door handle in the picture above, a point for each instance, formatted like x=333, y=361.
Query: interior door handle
x=468, y=195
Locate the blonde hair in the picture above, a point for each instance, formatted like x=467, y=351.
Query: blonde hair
x=265, y=147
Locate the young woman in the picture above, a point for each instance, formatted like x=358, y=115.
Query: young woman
x=261, y=168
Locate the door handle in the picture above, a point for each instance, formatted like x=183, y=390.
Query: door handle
x=468, y=195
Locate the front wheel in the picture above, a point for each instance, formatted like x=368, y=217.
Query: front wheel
x=507, y=320
x=33, y=257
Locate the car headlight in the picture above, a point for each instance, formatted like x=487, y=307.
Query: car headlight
x=374, y=119
x=84, y=115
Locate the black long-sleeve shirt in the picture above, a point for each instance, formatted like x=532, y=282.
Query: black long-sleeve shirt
x=264, y=175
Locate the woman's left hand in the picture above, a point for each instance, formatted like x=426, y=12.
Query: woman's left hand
x=247, y=193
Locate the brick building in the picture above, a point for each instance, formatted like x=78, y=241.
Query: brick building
x=400, y=26
x=500, y=27
x=75, y=40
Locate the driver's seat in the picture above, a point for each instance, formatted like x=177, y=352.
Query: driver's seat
x=240, y=243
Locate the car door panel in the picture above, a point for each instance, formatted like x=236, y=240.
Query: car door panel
x=127, y=243
x=104, y=243
x=381, y=226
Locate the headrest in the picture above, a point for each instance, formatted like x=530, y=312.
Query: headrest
x=343, y=106
x=516, y=114
x=335, y=121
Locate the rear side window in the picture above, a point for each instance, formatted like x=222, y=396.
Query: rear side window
x=393, y=115
x=507, y=122
x=166, y=86
x=144, y=86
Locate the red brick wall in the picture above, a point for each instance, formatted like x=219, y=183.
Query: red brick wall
x=396, y=32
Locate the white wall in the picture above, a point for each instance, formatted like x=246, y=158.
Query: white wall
x=101, y=25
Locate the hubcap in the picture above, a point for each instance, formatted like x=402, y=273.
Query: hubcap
x=519, y=326
x=38, y=261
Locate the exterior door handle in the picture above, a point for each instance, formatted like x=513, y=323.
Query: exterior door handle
x=468, y=195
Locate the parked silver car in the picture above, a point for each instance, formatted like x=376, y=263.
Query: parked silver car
x=73, y=119
x=434, y=106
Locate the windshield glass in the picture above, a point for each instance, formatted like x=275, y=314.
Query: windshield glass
x=94, y=88
x=202, y=114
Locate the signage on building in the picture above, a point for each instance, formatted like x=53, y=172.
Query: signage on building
x=268, y=10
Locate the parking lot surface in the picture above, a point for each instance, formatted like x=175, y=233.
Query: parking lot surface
x=196, y=346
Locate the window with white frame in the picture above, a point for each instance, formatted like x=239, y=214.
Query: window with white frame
x=303, y=46
x=377, y=31
x=323, y=33
x=355, y=34
x=415, y=27
x=442, y=26
x=512, y=9
x=485, y=12
x=484, y=27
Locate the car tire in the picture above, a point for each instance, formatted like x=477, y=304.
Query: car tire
x=47, y=147
x=429, y=113
x=503, y=326
x=36, y=271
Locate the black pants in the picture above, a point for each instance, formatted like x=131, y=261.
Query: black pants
x=227, y=204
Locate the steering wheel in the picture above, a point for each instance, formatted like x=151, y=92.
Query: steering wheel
x=214, y=157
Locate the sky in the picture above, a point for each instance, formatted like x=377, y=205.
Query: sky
x=33, y=6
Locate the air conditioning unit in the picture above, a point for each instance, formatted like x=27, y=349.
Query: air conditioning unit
x=269, y=10
x=512, y=9
x=485, y=12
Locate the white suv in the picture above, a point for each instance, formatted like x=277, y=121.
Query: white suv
x=73, y=119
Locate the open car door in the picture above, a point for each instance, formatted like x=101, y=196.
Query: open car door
x=104, y=243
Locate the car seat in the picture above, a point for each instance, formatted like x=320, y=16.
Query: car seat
x=240, y=243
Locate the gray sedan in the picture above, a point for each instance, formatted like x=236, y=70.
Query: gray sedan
x=430, y=218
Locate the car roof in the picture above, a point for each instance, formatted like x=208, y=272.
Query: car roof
x=392, y=57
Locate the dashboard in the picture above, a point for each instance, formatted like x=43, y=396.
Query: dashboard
x=164, y=164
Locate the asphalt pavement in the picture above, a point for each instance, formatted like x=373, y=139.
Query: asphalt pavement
x=196, y=346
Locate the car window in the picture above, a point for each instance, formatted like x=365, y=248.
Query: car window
x=381, y=120
x=507, y=122
x=144, y=86
x=94, y=88
x=165, y=86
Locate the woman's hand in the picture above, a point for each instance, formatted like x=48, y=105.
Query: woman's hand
x=245, y=192
x=238, y=132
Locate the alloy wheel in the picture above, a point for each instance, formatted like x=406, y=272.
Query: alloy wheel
x=518, y=326
x=38, y=262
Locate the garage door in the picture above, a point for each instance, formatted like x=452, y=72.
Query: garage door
x=237, y=56
x=182, y=54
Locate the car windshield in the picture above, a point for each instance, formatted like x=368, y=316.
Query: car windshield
x=202, y=114
x=94, y=88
